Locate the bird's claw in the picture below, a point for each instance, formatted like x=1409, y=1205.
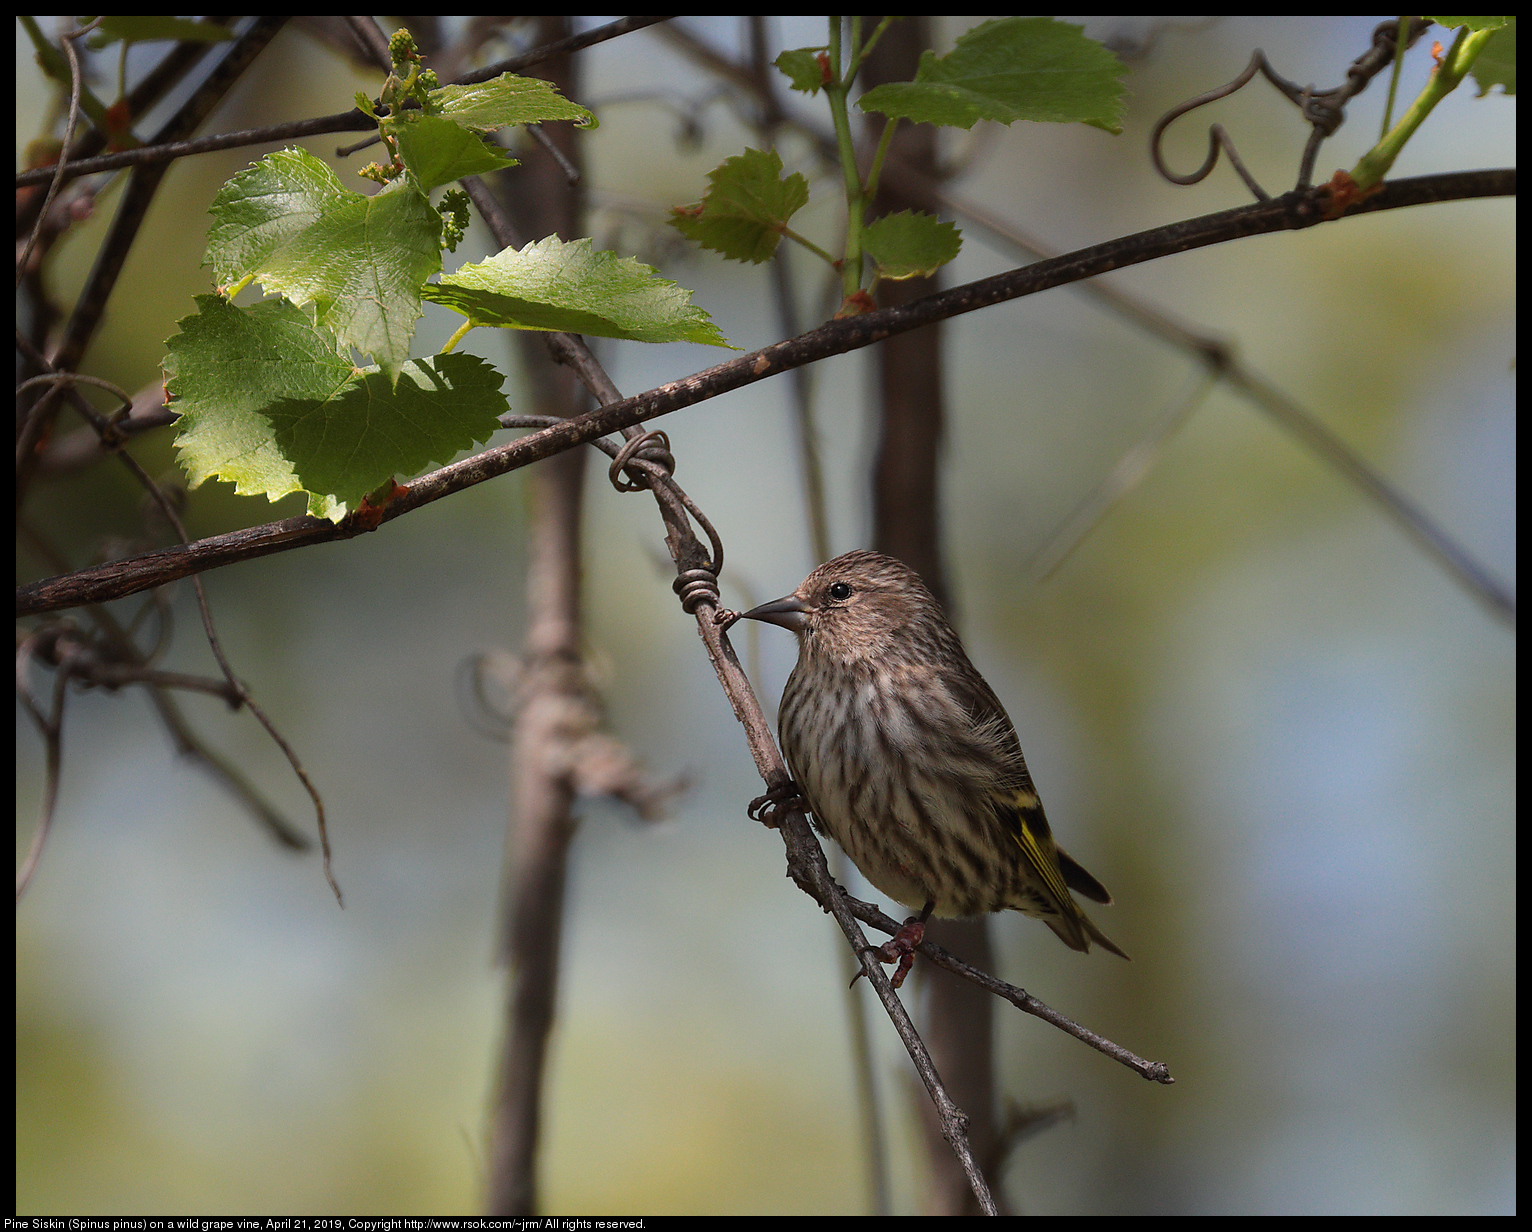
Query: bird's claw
x=784, y=795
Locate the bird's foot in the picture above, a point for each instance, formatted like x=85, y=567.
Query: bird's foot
x=901, y=947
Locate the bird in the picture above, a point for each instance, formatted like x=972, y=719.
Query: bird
x=904, y=755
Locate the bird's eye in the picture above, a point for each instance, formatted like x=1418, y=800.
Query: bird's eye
x=840, y=591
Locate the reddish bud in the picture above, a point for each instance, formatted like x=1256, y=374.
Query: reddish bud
x=855, y=304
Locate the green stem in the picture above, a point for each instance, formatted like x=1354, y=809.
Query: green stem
x=1393, y=80
x=856, y=206
x=867, y=48
x=814, y=248
x=884, y=141
x=1375, y=164
x=457, y=337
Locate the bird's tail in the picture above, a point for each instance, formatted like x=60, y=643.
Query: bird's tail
x=1078, y=933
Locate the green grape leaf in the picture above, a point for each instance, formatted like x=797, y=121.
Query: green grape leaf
x=225, y=368
x=289, y=222
x=372, y=429
x=1496, y=65
x=438, y=151
x=746, y=205
x=551, y=285
x=263, y=207
x=506, y=99
x=803, y=68
x=1008, y=69
x=906, y=244
x=268, y=403
x=1472, y=23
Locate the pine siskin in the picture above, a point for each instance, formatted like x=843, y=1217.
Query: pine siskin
x=906, y=757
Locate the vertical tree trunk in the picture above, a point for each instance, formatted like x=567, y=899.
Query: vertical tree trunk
x=907, y=524
x=542, y=202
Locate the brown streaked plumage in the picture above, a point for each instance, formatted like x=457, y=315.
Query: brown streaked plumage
x=908, y=760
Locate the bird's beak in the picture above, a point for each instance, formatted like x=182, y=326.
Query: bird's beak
x=790, y=612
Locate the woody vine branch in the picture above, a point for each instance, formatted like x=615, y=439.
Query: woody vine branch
x=1292, y=211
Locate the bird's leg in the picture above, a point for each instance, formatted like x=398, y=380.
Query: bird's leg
x=901, y=946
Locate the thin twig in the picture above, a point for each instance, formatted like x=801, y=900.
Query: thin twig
x=353, y=121
x=119, y=643
x=191, y=745
x=575, y=42
x=373, y=41
x=240, y=693
x=118, y=675
x=1154, y=1071
x=82, y=447
x=806, y=865
x=51, y=727
x=571, y=173
x=168, y=509
x=1130, y=471
x=56, y=177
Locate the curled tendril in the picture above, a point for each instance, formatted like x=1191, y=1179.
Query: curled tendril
x=644, y=460
x=1218, y=136
x=650, y=447
x=647, y=461
x=1324, y=111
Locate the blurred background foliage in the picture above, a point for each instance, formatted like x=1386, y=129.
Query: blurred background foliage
x=1277, y=732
